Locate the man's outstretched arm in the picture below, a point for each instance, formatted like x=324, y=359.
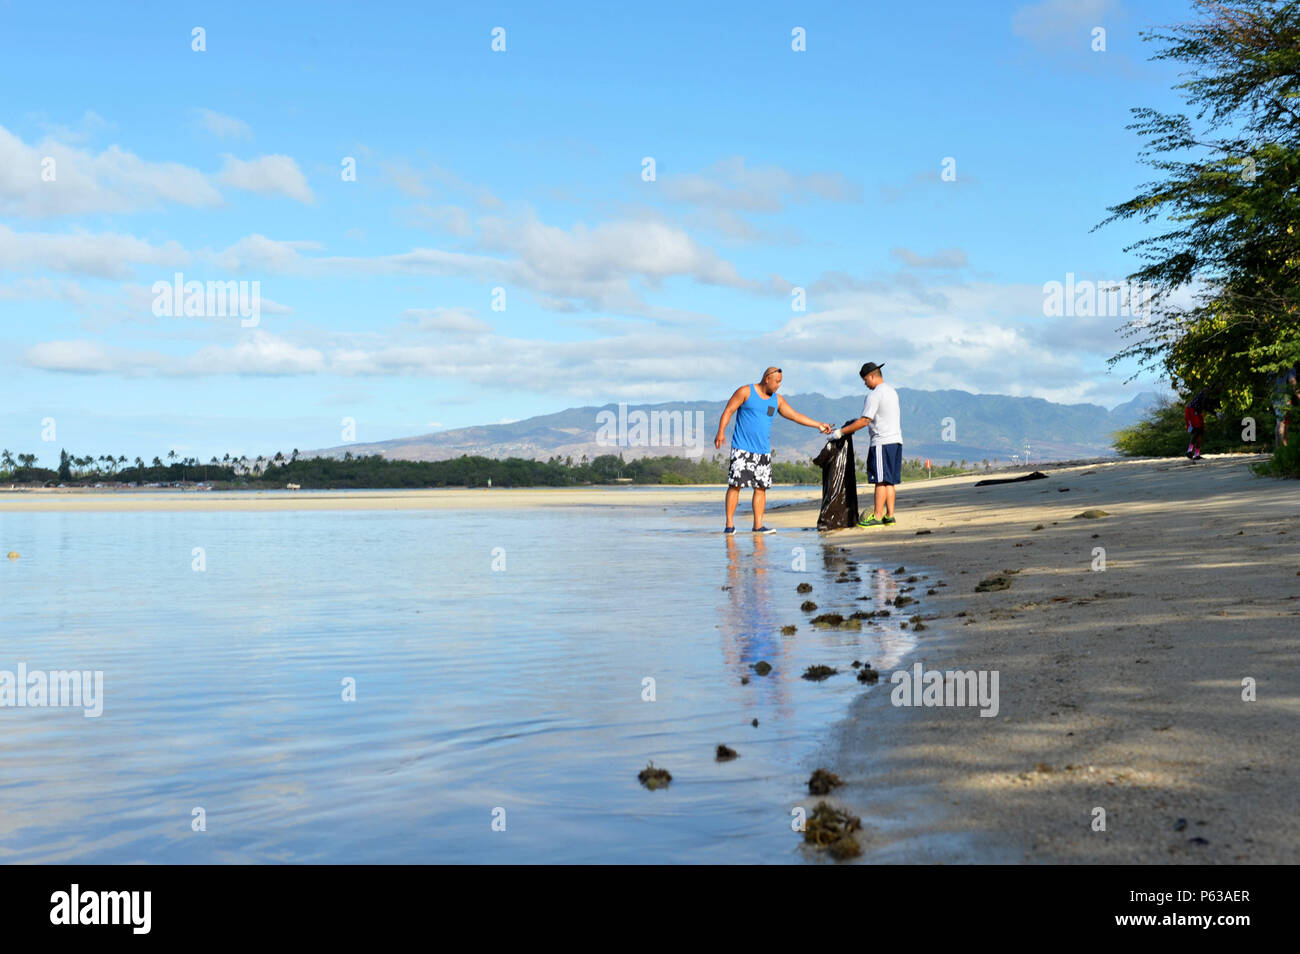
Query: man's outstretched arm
x=853, y=426
x=733, y=405
x=791, y=414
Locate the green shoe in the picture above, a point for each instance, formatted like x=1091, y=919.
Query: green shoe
x=888, y=520
x=870, y=521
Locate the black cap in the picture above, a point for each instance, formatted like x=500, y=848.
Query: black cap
x=868, y=368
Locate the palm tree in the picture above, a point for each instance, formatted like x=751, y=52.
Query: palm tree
x=156, y=461
x=294, y=458
x=8, y=459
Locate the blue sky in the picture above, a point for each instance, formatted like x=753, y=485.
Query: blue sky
x=523, y=170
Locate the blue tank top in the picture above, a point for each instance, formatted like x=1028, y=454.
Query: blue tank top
x=753, y=431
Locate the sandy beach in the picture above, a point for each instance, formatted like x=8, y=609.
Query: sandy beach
x=1119, y=689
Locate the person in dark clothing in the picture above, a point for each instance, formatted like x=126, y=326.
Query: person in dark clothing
x=1286, y=399
x=1194, y=416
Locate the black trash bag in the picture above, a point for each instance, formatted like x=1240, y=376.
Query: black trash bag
x=839, y=485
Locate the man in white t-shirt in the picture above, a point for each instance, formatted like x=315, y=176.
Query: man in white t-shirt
x=885, y=457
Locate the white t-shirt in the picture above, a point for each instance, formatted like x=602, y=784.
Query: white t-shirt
x=882, y=409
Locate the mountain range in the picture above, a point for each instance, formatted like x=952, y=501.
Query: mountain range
x=940, y=425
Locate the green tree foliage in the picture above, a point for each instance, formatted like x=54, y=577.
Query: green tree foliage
x=1162, y=432
x=1228, y=203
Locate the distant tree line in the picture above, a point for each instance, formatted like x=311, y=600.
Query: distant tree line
x=378, y=472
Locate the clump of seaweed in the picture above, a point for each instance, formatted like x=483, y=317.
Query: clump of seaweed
x=789, y=630
x=652, y=777
x=725, y=753
x=900, y=571
x=903, y=600
x=821, y=782
x=818, y=673
x=833, y=830
x=827, y=619
x=808, y=606
x=868, y=675
x=990, y=584
x=762, y=667
x=803, y=588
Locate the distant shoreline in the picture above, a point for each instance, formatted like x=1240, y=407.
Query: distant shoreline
x=440, y=498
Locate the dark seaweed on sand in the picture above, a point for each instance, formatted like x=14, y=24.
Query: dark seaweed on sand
x=822, y=782
x=818, y=673
x=833, y=830
x=653, y=778
x=827, y=619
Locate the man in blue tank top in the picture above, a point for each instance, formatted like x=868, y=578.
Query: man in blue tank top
x=755, y=407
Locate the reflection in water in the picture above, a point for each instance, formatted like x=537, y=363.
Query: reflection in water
x=475, y=688
x=752, y=631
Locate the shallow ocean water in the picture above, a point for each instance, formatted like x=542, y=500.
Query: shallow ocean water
x=500, y=661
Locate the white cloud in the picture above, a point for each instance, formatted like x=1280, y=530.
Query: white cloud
x=406, y=180
x=445, y=218
x=258, y=353
x=267, y=175
x=1057, y=23
x=731, y=184
x=607, y=267
x=257, y=253
x=100, y=255
x=90, y=357
x=944, y=258
x=222, y=126
x=457, y=321
x=112, y=181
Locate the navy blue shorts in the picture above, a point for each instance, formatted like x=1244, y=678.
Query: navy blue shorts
x=885, y=464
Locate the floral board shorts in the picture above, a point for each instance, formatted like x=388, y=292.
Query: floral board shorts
x=749, y=469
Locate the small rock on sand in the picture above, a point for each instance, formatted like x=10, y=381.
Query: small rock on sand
x=1092, y=514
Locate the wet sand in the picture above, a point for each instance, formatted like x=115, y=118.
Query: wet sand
x=1119, y=689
